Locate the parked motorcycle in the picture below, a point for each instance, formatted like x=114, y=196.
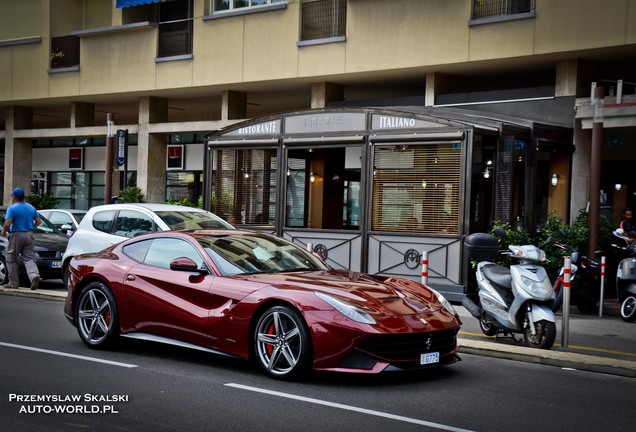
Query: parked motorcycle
x=626, y=279
x=585, y=282
x=514, y=300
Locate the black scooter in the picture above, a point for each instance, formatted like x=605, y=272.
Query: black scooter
x=626, y=279
x=585, y=282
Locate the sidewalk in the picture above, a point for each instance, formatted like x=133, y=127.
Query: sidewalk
x=597, y=344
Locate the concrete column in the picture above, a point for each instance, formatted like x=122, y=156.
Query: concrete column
x=18, y=153
x=436, y=83
x=324, y=92
x=581, y=159
x=233, y=105
x=82, y=114
x=151, y=150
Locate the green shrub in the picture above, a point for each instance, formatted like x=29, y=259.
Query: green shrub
x=43, y=201
x=130, y=194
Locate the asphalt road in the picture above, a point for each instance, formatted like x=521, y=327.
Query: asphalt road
x=148, y=387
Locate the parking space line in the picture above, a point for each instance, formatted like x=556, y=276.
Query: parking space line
x=350, y=408
x=63, y=354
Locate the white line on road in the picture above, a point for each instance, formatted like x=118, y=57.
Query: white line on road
x=350, y=408
x=63, y=354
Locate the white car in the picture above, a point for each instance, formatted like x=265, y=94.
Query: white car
x=66, y=220
x=109, y=224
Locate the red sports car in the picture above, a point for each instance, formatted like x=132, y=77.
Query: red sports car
x=254, y=295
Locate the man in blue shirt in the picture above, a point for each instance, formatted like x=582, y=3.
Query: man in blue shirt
x=21, y=219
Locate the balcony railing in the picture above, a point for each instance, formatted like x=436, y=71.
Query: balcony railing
x=494, y=8
x=175, y=38
x=322, y=19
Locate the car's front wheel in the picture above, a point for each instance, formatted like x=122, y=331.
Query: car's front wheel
x=96, y=315
x=282, y=343
x=4, y=273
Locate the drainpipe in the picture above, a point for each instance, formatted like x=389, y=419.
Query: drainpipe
x=598, y=94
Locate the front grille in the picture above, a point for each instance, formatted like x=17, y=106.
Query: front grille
x=49, y=255
x=408, y=347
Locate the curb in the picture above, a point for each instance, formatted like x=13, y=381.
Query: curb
x=39, y=293
x=551, y=358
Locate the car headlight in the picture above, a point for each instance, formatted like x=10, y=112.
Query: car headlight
x=347, y=309
x=447, y=305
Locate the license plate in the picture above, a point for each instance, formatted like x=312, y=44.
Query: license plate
x=56, y=264
x=429, y=358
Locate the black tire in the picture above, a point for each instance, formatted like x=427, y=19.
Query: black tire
x=96, y=316
x=558, y=299
x=545, y=336
x=282, y=343
x=587, y=306
x=4, y=272
x=628, y=308
x=487, y=327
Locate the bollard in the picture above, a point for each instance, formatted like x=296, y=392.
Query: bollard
x=567, y=273
x=602, y=299
x=310, y=247
x=425, y=267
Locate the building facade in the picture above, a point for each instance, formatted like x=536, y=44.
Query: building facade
x=224, y=99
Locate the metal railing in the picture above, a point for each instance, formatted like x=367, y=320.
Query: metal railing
x=493, y=8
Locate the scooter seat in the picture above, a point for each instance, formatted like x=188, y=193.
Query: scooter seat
x=499, y=276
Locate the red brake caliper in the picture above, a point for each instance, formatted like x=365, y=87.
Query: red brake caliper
x=271, y=330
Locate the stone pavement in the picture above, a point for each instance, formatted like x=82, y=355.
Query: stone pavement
x=597, y=344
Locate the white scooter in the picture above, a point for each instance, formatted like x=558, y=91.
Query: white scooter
x=512, y=300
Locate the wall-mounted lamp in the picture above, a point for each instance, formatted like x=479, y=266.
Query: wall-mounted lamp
x=488, y=169
x=312, y=177
x=335, y=178
x=288, y=172
x=618, y=186
x=555, y=179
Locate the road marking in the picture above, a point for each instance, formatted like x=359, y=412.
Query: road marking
x=350, y=408
x=601, y=350
x=63, y=354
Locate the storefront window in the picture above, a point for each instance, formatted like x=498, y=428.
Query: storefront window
x=245, y=186
x=416, y=188
x=323, y=188
x=80, y=190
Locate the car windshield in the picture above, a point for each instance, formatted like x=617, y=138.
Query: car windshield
x=250, y=253
x=183, y=219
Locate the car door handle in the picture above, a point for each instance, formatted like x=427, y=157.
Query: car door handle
x=130, y=277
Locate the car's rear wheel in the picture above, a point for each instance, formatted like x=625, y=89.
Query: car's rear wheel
x=96, y=315
x=282, y=343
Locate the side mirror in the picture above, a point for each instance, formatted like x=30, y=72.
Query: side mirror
x=185, y=264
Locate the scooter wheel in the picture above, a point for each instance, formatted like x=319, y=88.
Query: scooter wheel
x=487, y=327
x=628, y=309
x=544, y=336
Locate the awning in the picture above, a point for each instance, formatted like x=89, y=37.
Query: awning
x=127, y=3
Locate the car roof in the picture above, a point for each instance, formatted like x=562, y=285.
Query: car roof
x=149, y=206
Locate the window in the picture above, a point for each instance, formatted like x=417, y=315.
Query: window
x=245, y=186
x=80, y=190
x=323, y=187
x=323, y=19
x=131, y=223
x=65, y=52
x=164, y=250
x=494, y=8
x=228, y=5
x=416, y=188
x=103, y=221
x=175, y=28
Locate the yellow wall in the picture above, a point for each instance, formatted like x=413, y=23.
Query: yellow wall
x=405, y=34
x=21, y=18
